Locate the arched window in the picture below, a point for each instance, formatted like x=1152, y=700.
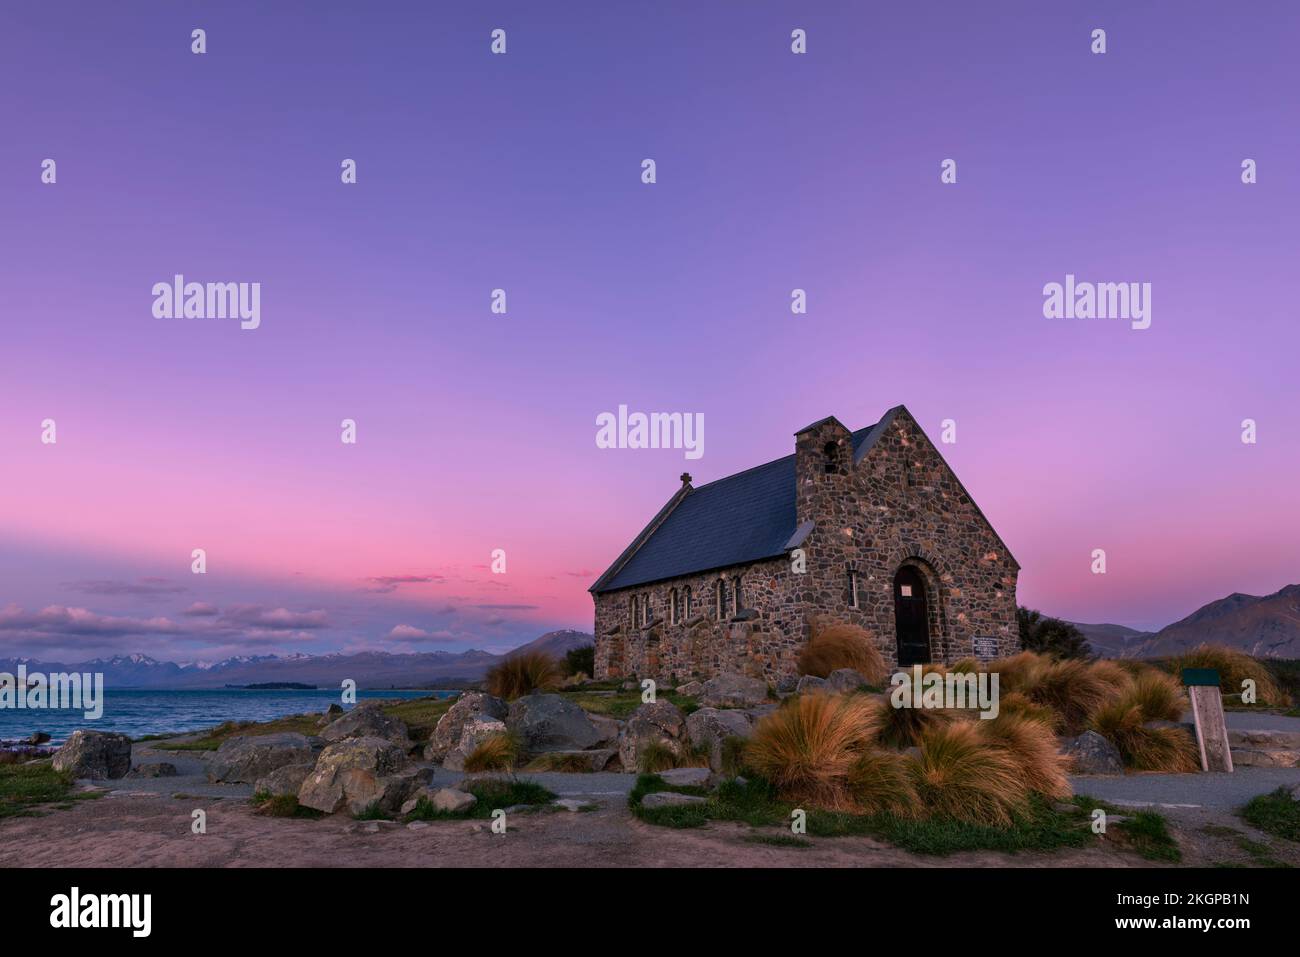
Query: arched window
x=686, y=603
x=672, y=607
x=738, y=593
x=722, y=598
x=632, y=607
x=646, y=614
x=831, y=453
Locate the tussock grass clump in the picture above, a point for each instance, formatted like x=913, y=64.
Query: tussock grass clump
x=903, y=727
x=522, y=674
x=880, y=782
x=1017, y=704
x=497, y=753
x=1157, y=695
x=1142, y=748
x=840, y=645
x=807, y=746
x=283, y=805
x=1234, y=667
x=1032, y=744
x=960, y=777
x=567, y=763
x=1073, y=689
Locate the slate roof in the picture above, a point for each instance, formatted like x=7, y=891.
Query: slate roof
x=742, y=518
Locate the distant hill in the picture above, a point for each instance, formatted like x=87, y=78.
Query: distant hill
x=369, y=669
x=1267, y=627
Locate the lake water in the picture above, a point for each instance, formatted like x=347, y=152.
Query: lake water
x=138, y=713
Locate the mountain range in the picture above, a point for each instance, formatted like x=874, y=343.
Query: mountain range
x=1266, y=626
x=369, y=669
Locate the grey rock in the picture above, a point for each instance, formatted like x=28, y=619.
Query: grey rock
x=368, y=721
x=692, y=689
x=845, y=679
x=549, y=722
x=712, y=726
x=1093, y=754
x=249, y=757
x=476, y=729
x=669, y=799
x=572, y=804
x=809, y=683
x=447, y=733
x=95, y=754
x=452, y=801
x=354, y=773
x=283, y=780
x=417, y=825
x=787, y=683
x=661, y=721
x=608, y=728
x=731, y=690
x=37, y=737
x=687, y=777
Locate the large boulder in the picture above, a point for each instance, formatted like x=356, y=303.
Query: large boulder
x=731, y=690
x=446, y=734
x=710, y=727
x=1092, y=754
x=661, y=722
x=809, y=683
x=95, y=754
x=549, y=722
x=250, y=757
x=368, y=721
x=476, y=729
x=608, y=728
x=283, y=780
x=354, y=773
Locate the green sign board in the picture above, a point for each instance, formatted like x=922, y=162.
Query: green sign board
x=1196, y=677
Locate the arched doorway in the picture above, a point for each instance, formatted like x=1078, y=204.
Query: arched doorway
x=911, y=618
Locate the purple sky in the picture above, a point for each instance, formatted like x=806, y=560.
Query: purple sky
x=476, y=431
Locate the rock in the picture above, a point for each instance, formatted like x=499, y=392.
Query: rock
x=334, y=711
x=1263, y=740
x=1259, y=758
x=446, y=735
x=572, y=804
x=1295, y=793
x=549, y=722
x=37, y=737
x=691, y=689
x=712, y=726
x=1092, y=754
x=608, y=728
x=250, y=757
x=845, y=679
x=95, y=755
x=787, y=684
x=731, y=690
x=159, y=769
x=368, y=721
x=661, y=721
x=809, y=683
x=417, y=825
x=476, y=729
x=354, y=773
x=687, y=777
x=669, y=799
x=283, y=780
x=452, y=801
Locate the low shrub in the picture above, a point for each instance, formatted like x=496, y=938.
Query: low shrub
x=880, y=782
x=1033, y=745
x=1169, y=749
x=958, y=775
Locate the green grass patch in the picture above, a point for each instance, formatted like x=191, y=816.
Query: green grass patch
x=25, y=787
x=372, y=812
x=497, y=793
x=1148, y=834
x=1275, y=813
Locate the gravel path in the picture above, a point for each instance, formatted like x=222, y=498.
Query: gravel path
x=1186, y=790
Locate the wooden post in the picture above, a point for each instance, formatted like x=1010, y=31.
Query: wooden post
x=1207, y=714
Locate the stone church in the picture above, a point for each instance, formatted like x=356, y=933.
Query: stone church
x=868, y=527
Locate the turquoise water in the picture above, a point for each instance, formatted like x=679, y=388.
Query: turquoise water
x=138, y=713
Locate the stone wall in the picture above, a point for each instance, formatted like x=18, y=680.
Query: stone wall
x=900, y=505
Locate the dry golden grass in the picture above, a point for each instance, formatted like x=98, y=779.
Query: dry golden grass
x=903, y=727
x=1015, y=703
x=1072, y=689
x=808, y=745
x=522, y=674
x=959, y=775
x=1143, y=748
x=1033, y=745
x=1157, y=695
x=497, y=753
x=880, y=782
x=1234, y=667
x=840, y=645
